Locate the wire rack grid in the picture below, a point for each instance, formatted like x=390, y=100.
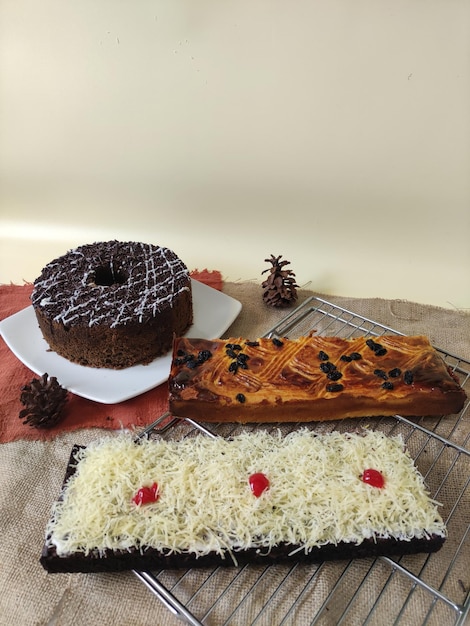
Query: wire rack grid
x=416, y=589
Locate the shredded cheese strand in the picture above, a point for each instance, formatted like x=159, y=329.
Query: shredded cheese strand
x=316, y=495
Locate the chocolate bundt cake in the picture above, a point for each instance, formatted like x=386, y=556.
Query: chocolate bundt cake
x=113, y=304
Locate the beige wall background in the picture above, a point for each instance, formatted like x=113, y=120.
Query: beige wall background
x=335, y=133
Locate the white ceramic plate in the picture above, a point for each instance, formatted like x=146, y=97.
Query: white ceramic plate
x=213, y=312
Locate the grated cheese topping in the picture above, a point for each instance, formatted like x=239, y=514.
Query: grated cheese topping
x=205, y=504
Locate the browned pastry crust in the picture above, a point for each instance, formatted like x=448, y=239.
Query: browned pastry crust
x=310, y=379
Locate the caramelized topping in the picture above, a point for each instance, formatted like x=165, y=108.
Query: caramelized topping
x=273, y=371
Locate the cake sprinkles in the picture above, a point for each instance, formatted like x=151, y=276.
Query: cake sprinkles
x=142, y=278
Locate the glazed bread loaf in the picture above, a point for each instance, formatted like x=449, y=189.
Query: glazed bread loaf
x=205, y=501
x=309, y=379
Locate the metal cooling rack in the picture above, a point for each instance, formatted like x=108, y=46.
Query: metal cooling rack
x=416, y=589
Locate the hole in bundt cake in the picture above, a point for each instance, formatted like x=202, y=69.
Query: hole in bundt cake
x=107, y=276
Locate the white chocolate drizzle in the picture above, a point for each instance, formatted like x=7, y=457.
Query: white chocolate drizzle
x=144, y=281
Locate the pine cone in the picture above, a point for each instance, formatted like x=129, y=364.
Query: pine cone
x=44, y=400
x=280, y=286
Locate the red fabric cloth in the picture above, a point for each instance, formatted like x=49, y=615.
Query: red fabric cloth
x=78, y=413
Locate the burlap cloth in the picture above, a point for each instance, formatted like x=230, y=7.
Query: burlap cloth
x=31, y=474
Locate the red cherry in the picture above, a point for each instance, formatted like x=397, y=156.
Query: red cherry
x=145, y=495
x=373, y=478
x=258, y=483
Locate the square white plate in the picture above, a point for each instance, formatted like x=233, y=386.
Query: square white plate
x=213, y=313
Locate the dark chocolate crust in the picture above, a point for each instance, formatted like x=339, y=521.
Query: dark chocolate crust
x=309, y=379
x=148, y=558
x=151, y=559
x=113, y=304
